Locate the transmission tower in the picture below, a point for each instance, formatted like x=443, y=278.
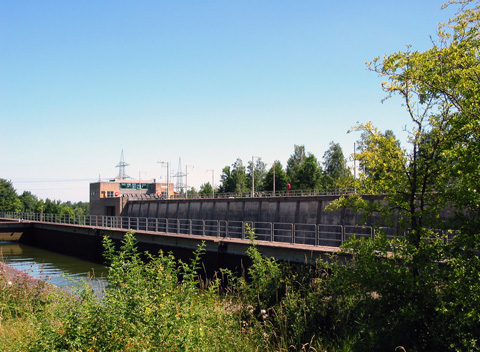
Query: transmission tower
x=179, y=185
x=121, y=165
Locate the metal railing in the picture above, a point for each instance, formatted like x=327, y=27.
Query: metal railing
x=291, y=233
x=264, y=194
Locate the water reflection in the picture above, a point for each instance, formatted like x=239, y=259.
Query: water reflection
x=58, y=269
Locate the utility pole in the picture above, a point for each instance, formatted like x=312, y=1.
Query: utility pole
x=354, y=169
x=213, y=185
x=186, y=179
x=274, y=178
x=166, y=163
x=253, y=176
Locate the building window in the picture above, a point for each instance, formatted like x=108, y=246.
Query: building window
x=110, y=194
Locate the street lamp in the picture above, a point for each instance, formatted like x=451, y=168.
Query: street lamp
x=213, y=186
x=253, y=175
x=163, y=163
x=140, y=181
x=186, y=179
x=273, y=166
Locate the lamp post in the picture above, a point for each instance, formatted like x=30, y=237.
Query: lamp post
x=253, y=175
x=140, y=181
x=166, y=163
x=186, y=179
x=274, y=164
x=273, y=167
x=213, y=185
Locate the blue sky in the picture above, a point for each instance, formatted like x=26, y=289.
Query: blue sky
x=204, y=81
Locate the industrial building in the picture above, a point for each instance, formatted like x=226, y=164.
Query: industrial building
x=109, y=198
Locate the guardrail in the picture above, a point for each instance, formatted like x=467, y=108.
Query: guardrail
x=292, y=233
x=263, y=194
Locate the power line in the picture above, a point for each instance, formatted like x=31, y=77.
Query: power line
x=53, y=180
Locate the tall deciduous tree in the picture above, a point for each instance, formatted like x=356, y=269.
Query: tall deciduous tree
x=8, y=197
x=280, y=178
x=309, y=175
x=29, y=201
x=234, y=178
x=294, y=162
x=206, y=189
x=335, y=170
x=260, y=171
x=441, y=91
x=427, y=290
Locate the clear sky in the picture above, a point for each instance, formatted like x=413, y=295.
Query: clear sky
x=204, y=81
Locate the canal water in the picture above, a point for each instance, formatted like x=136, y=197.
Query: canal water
x=58, y=269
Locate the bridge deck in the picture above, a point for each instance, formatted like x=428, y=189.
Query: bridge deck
x=299, y=253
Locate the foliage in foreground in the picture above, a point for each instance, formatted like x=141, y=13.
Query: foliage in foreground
x=377, y=300
x=387, y=294
x=155, y=305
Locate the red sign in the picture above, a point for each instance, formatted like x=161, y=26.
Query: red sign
x=289, y=186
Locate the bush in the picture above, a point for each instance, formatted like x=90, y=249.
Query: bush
x=155, y=305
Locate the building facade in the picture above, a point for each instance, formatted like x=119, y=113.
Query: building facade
x=109, y=198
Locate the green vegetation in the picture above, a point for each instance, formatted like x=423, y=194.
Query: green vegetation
x=418, y=292
x=29, y=203
x=377, y=300
x=303, y=172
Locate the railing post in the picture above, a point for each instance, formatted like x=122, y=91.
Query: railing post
x=342, y=236
x=178, y=225
x=293, y=234
x=243, y=230
x=271, y=231
x=317, y=235
x=218, y=228
x=191, y=226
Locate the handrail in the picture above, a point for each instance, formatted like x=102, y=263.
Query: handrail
x=339, y=191
x=292, y=233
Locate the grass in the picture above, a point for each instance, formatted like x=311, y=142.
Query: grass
x=160, y=304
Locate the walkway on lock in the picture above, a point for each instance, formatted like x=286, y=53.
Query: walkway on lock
x=286, y=233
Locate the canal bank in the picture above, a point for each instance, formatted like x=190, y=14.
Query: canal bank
x=31, y=265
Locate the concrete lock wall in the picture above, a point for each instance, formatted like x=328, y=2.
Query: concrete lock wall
x=300, y=210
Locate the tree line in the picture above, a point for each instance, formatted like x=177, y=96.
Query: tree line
x=27, y=202
x=303, y=171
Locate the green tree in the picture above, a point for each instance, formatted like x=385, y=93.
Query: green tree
x=260, y=171
x=51, y=206
x=418, y=291
x=192, y=192
x=205, y=189
x=280, y=178
x=29, y=201
x=234, y=179
x=294, y=162
x=309, y=175
x=335, y=170
x=441, y=90
x=8, y=197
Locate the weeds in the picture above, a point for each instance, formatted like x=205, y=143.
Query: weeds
x=377, y=301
